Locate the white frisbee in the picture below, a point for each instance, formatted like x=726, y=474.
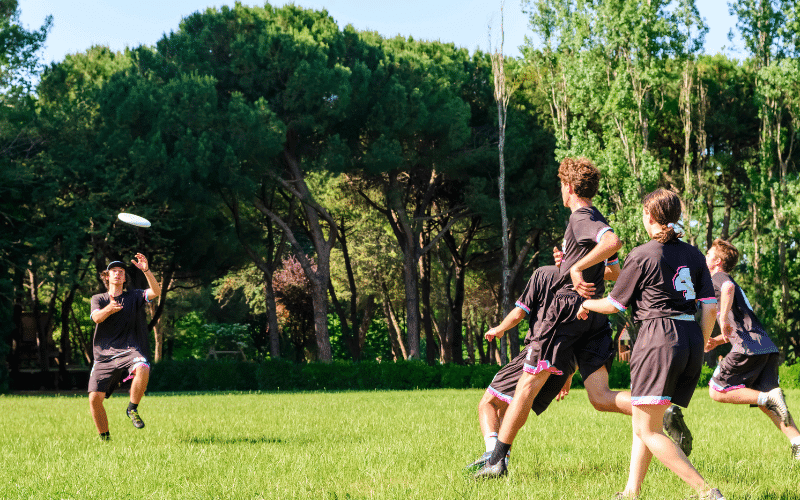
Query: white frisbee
x=133, y=220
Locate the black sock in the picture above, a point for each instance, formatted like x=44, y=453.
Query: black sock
x=132, y=406
x=499, y=453
x=105, y=436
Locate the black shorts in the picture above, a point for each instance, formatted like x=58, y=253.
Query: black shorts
x=504, y=384
x=107, y=374
x=739, y=371
x=666, y=362
x=563, y=338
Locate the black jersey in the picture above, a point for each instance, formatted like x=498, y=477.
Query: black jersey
x=662, y=281
x=537, y=296
x=119, y=332
x=749, y=336
x=586, y=226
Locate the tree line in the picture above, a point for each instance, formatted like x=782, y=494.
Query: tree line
x=337, y=190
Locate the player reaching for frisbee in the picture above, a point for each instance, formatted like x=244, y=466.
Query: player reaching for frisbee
x=116, y=343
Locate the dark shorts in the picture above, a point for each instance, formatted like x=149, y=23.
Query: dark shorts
x=739, y=371
x=107, y=374
x=563, y=338
x=666, y=362
x=504, y=384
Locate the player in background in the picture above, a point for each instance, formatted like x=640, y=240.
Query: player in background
x=749, y=373
x=561, y=339
x=116, y=342
x=663, y=280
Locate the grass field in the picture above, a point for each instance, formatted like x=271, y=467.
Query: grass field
x=364, y=445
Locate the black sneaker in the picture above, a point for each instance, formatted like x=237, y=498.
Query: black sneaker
x=492, y=471
x=105, y=437
x=677, y=429
x=777, y=405
x=135, y=418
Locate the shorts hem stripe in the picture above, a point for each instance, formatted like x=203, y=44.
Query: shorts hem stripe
x=651, y=400
x=540, y=367
x=499, y=395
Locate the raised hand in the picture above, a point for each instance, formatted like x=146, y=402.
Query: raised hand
x=141, y=262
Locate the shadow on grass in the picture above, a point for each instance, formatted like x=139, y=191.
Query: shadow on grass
x=232, y=440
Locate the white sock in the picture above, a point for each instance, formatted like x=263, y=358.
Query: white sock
x=762, y=398
x=795, y=441
x=490, y=441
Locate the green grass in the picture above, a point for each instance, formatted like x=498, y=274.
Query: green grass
x=364, y=445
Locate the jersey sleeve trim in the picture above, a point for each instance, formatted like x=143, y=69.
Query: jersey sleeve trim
x=601, y=233
x=616, y=304
x=612, y=262
x=708, y=300
x=523, y=307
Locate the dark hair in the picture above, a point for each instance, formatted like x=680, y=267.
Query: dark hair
x=727, y=253
x=581, y=174
x=664, y=207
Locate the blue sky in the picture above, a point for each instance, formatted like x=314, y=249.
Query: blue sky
x=118, y=23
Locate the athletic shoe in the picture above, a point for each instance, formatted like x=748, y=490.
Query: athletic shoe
x=105, y=437
x=481, y=461
x=714, y=494
x=677, y=429
x=135, y=418
x=796, y=451
x=777, y=405
x=621, y=496
x=492, y=471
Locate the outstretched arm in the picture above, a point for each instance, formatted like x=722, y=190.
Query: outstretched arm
x=511, y=320
x=155, y=289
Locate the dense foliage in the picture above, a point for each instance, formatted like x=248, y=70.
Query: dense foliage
x=336, y=192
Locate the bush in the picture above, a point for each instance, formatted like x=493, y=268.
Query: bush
x=789, y=376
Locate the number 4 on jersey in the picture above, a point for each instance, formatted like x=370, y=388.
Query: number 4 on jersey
x=683, y=283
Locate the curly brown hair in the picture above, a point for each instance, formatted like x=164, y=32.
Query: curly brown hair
x=727, y=254
x=664, y=207
x=581, y=174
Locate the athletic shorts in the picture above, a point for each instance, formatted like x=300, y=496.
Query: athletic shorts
x=563, y=338
x=504, y=384
x=107, y=374
x=737, y=371
x=665, y=362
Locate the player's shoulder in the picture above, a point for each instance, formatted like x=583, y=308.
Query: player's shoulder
x=721, y=277
x=100, y=296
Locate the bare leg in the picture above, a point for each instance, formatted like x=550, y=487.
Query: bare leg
x=603, y=398
x=640, y=461
x=743, y=396
x=517, y=413
x=648, y=427
x=790, y=431
x=98, y=411
x=490, y=413
x=139, y=384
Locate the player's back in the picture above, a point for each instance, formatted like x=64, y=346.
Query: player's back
x=672, y=277
x=585, y=229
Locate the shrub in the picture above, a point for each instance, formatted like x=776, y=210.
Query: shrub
x=789, y=376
